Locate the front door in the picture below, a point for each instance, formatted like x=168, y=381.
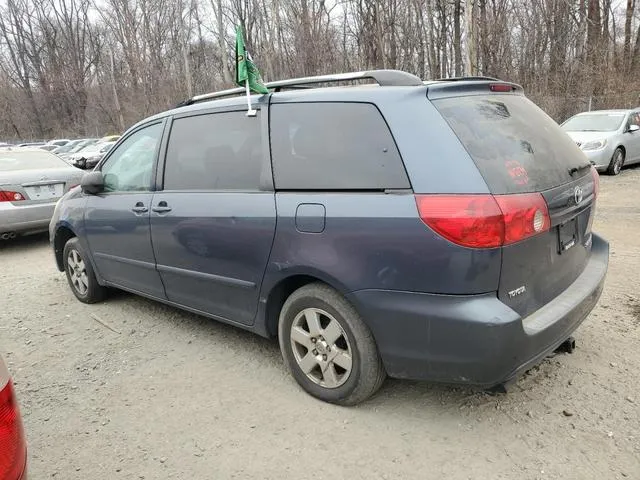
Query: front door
x=117, y=220
x=212, y=225
x=633, y=140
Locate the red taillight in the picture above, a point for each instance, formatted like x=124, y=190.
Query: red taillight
x=11, y=196
x=469, y=220
x=485, y=221
x=500, y=87
x=13, y=448
x=524, y=216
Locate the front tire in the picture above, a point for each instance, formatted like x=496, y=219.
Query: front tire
x=328, y=348
x=80, y=274
x=617, y=161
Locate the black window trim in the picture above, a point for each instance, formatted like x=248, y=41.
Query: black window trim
x=124, y=138
x=409, y=188
x=266, y=175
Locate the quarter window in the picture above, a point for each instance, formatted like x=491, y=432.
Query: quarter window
x=334, y=146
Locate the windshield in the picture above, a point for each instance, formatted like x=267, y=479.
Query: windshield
x=14, y=160
x=594, y=122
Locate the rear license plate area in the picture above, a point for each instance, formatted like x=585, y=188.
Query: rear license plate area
x=567, y=235
x=45, y=192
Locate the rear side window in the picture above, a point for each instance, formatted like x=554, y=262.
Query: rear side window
x=218, y=151
x=333, y=146
x=515, y=145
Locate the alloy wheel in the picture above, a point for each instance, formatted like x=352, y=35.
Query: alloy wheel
x=321, y=348
x=617, y=162
x=77, y=272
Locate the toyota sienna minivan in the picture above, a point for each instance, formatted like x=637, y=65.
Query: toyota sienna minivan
x=439, y=231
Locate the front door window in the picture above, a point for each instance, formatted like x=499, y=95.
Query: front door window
x=130, y=167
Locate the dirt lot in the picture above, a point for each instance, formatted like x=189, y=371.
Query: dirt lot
x=158, y=393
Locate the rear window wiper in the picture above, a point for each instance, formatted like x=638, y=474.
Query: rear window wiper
x=573, y=170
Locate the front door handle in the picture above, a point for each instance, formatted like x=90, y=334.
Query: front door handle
x=139, y=208
x=162, y=207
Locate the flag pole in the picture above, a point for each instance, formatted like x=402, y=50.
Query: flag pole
x=250, y=111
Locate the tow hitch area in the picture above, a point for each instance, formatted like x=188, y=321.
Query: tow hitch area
x=568, y=346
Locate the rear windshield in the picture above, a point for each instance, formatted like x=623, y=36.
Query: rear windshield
x=594, y=122
x=14, y=160
x=515, y=145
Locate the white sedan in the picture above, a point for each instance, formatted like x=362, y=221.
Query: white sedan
x=31, y=182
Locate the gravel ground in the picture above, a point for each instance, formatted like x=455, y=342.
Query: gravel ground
x=137, y=390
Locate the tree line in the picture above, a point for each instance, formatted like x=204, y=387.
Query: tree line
x=90, y=67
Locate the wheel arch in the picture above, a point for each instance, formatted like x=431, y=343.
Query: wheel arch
x=282, y=288
x=62, y=235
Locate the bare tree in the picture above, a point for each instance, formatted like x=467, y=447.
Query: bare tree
x=70, y=67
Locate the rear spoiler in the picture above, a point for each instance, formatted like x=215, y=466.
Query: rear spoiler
x=470, y=86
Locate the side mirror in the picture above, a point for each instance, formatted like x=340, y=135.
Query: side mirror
x=92, y=183
x=633, y=128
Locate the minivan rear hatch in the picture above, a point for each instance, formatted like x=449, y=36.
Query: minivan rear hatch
x=518, y=149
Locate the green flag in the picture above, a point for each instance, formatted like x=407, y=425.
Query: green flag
x=245, y=68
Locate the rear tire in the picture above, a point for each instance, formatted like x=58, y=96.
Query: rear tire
x=80, y=274
x=617, y=162
x=328, y=348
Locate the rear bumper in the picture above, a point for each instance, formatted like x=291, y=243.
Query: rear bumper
x=475, y=339
x=26, y=218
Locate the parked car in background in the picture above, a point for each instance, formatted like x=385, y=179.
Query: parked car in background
x=66, y=147
x=74, y=146
x=30, y=144
x=609, y=138
x=31, y=182
x=13, y=443
x=110, y=138
x=434, y=231
x=58, y=142
x=89, y=157
x=47, y=148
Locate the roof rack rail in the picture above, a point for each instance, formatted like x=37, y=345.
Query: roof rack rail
x=384, y=78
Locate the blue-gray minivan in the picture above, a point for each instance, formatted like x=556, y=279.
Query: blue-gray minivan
x=438, y=231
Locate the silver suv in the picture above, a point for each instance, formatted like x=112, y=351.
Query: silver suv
x=609, y=138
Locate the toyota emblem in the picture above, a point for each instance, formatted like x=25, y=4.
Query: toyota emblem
x=578, y=195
